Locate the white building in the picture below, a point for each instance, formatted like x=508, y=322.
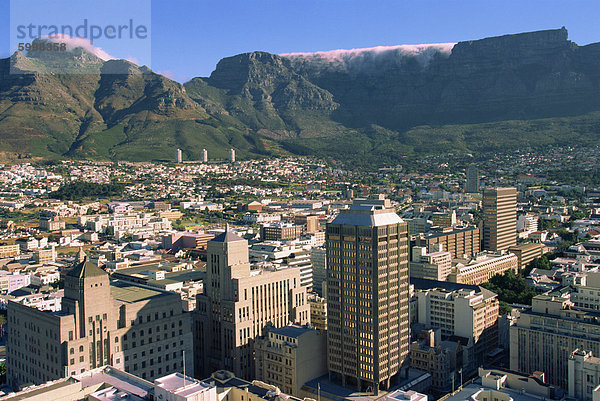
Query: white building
x=118, y=224
x=527, y=224
x=584, y=375
x=232, y=155
x=482, y=267
x=261, y=218
x=284, y=256
x=435, y=265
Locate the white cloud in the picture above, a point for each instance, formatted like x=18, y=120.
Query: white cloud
x=73, y=43
x=371, y=57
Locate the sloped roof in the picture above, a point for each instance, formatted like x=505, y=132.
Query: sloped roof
x=227, y=236
x=368, y=216
x=86, y=269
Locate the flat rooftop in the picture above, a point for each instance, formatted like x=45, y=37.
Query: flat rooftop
x=472, y=389
x=181, y=385
x=291, y=331
x=130, y=293
x=337, y=392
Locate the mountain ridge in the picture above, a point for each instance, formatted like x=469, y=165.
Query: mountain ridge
x=342, y=104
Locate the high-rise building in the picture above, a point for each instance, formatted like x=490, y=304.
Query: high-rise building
x=318, y=258
x=237, y=304
x=204, y=157
x=472, y=179
x=232, y=155
x=140, y=330
x=367, y=296
x=499, y=218
x=178, y=156
x=466, y=311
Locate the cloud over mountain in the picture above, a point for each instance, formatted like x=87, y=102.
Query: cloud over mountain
x=368, y=59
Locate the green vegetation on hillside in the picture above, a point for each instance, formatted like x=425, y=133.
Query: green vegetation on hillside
x=81, y=190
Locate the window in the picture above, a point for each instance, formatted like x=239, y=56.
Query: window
x=72, y=351
x=71, y=335
x=81, y=348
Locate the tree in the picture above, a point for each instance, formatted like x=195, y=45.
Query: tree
x=538, y=263
x=511, y=288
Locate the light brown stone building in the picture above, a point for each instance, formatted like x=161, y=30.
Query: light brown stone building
x=459, y=241
x=499, y=218
x=142, y=331
x=237, y=304
x=289, y=356
x=526, y=253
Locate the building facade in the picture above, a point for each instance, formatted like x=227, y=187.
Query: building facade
x=288, y=357
x=237, y=304
x=318, y=312
x=144, y=332
x=526, y=253
x=459, y=241
x=435, y=265
x=367, y=295
x=543, y=338
x=499, y=218
x=584, y=375
x=318, y=258
x=482, y=268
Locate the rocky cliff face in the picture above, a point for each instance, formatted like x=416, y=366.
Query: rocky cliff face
x=530, y=75
x=362, y=101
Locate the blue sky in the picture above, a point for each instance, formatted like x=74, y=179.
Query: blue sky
x=190, y=36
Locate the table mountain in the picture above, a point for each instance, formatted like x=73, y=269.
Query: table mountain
x=369, y=105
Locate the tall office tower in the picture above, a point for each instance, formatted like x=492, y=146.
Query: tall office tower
x=204, y=158
x=499, y=218
x=138, y=329
x=472, y=179
x=231, y=155
x=367, y=295
x=237, y=304
x=178, y=156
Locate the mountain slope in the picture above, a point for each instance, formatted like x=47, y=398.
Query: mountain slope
x=362, y=105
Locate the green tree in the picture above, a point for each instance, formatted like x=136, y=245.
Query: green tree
x=538, y=263
x=511, y=288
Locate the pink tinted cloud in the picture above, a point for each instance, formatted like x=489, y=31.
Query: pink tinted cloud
x=84, y=43
x=339, y=54
x=168, y=74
